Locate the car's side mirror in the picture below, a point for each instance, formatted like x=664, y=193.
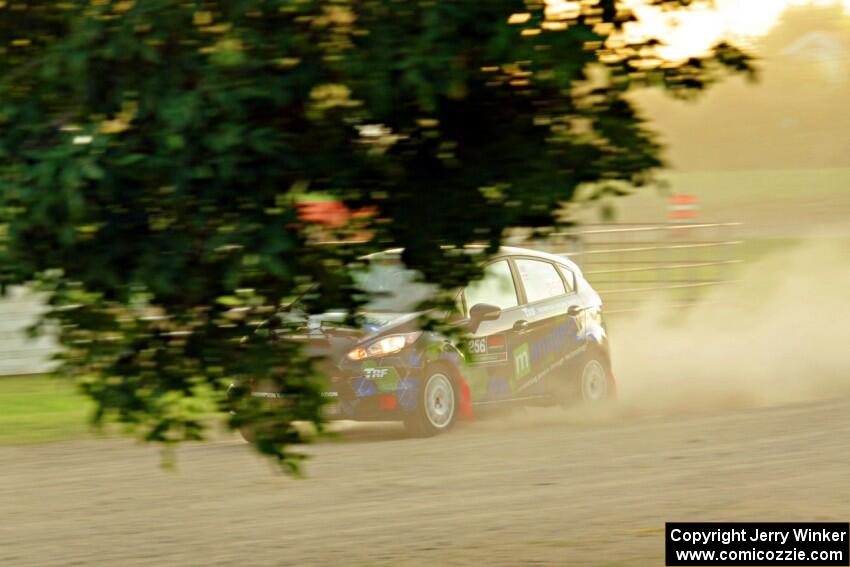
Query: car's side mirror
x=482, y=312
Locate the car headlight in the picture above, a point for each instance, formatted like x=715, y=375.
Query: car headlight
x=385, y=346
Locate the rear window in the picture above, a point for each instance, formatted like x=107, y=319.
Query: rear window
x=540, y=279
x=569, y=278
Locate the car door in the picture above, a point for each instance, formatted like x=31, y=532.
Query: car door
x=489, y=368
x=554, y=315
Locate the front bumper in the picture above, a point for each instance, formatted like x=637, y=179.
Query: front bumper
x=373, y=390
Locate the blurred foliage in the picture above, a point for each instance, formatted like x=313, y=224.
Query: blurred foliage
x=152, y=152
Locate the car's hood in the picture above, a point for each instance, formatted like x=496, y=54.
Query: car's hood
x=326, y=335
x=372, y=322
x=333, y=324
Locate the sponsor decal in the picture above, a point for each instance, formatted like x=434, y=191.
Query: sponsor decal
x=433, y=351
x=364, y=388
x=522, y=361
x=487, y=350
x=558, y=339
x=272, y=395
x=407, y=393
x=495, y=357
x=477, y=346
x=545, y=353
x=376, y=373
x=331, y=410
x=497, y=389
x=384, y=378
x=553, y=366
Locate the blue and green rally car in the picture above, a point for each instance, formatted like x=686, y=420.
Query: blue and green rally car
x=533, y=334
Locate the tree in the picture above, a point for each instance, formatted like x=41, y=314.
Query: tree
x=153, y=150
x=787, y=120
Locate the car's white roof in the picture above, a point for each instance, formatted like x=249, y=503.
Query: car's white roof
x=558, y=258
x=509, y=251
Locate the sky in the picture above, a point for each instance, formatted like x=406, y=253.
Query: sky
x=691, y=32
x=792, y=117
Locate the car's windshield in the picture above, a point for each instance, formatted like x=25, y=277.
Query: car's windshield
x=391, y=287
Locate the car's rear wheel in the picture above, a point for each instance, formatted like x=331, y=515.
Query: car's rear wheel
x=594, y=382
x=590, y=385
x=437, y=409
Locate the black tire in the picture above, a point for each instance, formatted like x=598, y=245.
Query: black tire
x=591, y=383
x=437, y=406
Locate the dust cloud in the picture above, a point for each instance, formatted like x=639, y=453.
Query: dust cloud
x=780, y=335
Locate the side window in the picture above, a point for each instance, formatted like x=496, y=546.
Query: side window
x=496, y=287
x=540, y=279
x=569, y=278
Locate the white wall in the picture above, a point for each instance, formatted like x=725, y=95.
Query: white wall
x=20, y=354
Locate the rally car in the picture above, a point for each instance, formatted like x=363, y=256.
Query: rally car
x=533, y=334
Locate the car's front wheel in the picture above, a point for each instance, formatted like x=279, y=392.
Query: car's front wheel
x=437, y=409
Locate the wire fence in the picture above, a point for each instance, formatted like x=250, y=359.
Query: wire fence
x=626, y=263
x=631, y=263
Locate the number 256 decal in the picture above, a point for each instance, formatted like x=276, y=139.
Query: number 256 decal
x=487, y=350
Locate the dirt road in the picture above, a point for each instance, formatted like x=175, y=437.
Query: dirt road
x=538, y=489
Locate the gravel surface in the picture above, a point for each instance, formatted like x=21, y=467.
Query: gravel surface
x=540, y=488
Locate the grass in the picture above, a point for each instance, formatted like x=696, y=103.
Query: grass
x=41, y=409
x=36, y=409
